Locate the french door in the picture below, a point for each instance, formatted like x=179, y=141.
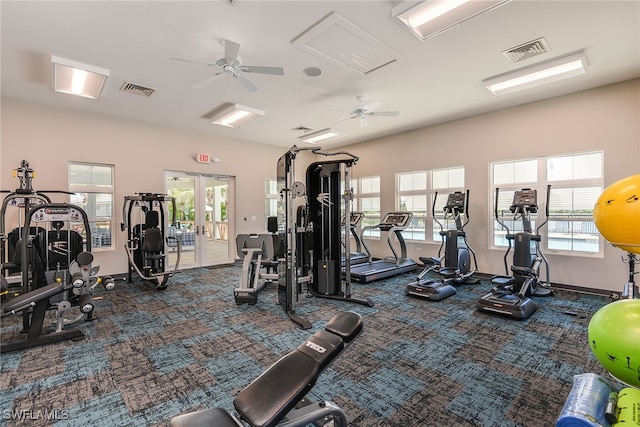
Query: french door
x=204, y=218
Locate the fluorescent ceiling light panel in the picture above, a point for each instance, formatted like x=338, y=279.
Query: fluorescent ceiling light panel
x=321, y=136
x=235, y=115
x=76, y=78
x=428, y=18
x=538, y=74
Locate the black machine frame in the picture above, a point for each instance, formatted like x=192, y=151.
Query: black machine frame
x=511, y=293
x=151, y=267
x=57, y=273
x=454, y=250
x=311, y=219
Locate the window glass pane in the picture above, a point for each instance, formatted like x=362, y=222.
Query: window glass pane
x=579, y=166
x=95, y=197
x=90, y=175
x=370, y=205
x=96, y=205
x=412, y=181
x=415, y=204
x=515, y=172
x=447, y=178
x=370, y=185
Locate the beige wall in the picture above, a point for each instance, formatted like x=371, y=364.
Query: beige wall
x=48, y=138
x=606, y=118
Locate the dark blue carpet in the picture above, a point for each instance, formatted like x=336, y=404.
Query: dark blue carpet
x=152, y=355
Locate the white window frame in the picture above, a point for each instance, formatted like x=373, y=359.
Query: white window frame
x=96, y=189
x=431, y=228
x=358, y=196
x=594, y=184
x=416, y=231
x=272, y=199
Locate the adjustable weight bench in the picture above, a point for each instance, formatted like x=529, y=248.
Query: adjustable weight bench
x=276, y=396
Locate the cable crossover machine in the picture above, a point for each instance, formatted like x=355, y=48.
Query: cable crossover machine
x=316, y=243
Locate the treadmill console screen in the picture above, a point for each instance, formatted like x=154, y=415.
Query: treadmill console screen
x=356, y=217
x=397, y=219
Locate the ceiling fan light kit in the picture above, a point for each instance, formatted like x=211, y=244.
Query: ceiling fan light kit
x=235, y=115
x=428, y=18
x=549, y=71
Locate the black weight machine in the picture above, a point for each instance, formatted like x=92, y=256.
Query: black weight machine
x=277, y=396
x=311, y=219
x=147, y=239
x=511, y=293
x=57, y=273
x=20, y=200
x=454, y=250
x=393, y=223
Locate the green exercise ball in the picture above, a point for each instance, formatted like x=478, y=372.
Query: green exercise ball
x=617, y=214
x=614, y=338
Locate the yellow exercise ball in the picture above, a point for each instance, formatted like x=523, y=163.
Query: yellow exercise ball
x=614, y=338
x=617, y=214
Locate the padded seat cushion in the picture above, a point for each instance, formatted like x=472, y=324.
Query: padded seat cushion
x=347, y=325
x=24, y=301
x=215, y=417
x=273, y=394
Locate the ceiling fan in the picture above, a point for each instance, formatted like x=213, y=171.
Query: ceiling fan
x=231, y=65
x=368, y=109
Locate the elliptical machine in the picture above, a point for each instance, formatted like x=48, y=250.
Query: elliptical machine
x=454, y=250
x=511, y=294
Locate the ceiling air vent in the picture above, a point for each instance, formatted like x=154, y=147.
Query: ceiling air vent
x=140, y=90
x=301, y=129
x=527, y=50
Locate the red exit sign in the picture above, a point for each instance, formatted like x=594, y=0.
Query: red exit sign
x=202, y=158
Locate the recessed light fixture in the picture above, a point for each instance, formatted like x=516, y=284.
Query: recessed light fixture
x=428, y=18
x=321, y=136
x=312, y=71
x=538, y=74
x=235, y=115
x=76, y=78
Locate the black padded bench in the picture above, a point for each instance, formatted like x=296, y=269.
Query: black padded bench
x=275, y=393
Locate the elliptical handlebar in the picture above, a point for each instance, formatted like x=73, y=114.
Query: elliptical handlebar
x=546, y=210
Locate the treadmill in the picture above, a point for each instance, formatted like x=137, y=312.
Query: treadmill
x=357, y=256
x=393, y=223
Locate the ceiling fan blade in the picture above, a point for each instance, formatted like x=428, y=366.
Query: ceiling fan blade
x=372, y=106
x=277, y=71
x=231, y=50
x=384, y=113
x=246, y=83
x=192, y=61
x=344, y=118
x=208, y=80
x=364, y=123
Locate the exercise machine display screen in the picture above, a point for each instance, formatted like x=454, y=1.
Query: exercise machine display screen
x=526, y=198
x=397, y=219
x=48, y=214
x=455, y=201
